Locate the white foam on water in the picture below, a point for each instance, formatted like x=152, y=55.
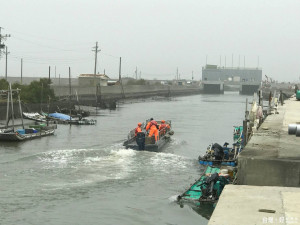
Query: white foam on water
x=173, y=198
x=61, y=158
x=165, y=162
x=87, y=166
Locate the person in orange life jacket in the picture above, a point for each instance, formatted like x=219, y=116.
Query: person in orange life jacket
x=148, y=124
x=163, y=126
x=138, y=129
x=152, y=125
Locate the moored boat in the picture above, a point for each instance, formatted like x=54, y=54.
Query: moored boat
x=209, y=186
x=25, y=134
x=66, y=119
x=223, y=155
x=141, y=141
x=34, y=116
x=10, y=134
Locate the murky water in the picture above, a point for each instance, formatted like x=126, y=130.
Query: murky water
x=83, y=174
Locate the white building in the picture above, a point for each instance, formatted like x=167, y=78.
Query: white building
x=92, y=79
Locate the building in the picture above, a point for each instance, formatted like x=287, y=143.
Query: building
x=234, y=74
x=93, y=79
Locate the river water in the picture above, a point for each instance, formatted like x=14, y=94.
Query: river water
x=83, y=174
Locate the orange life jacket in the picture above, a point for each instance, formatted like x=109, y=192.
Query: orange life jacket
x=137, y=130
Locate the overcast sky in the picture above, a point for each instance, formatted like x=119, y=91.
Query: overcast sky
x=156, y=36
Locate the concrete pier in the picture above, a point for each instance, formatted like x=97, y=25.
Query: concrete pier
x=249, y=205
x=271, y=163
x=272, y=156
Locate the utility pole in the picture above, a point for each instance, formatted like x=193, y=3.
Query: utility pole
x=192, y=75
x=120, y=79
x=177, y=74
x=22, y=71
x=136, y=73
x=59, y=86
x=49, y=76
x=70, y=90
x=2, y=37
x=96, y=50
x=6, y=53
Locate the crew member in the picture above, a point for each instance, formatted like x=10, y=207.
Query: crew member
x=163, y=126
x=147, y=127
x=152, y=125
x=138, y=129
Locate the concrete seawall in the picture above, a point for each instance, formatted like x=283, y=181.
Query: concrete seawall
x=268, y=175
x=129, y=91
x=272, y=156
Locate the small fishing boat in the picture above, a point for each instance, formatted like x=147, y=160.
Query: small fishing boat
x=34, y=116
x=217, y=154
x=142, y=142
x=66, y=119
x=25, y=134
x=209, y=186
x=10, y=134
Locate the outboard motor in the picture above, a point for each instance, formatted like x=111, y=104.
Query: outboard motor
x=207, y=192
x=140, y=140
x=218, y=151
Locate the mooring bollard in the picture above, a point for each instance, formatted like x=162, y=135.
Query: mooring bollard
x=298, y=131
x=293, y=128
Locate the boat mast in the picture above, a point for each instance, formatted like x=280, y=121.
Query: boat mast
x=7, y=108
x=20, y=108
x=12, y=107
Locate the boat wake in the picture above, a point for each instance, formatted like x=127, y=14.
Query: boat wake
x=86, y=166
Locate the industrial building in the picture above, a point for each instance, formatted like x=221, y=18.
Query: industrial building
x=234, y=74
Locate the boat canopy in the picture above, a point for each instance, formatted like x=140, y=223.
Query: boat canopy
x=60, y=116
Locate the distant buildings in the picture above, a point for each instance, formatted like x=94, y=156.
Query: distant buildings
x=93, y=80
x=234, y=74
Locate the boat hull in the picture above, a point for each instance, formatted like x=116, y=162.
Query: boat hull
x=15, y=136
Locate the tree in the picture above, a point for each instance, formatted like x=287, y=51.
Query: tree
x=36, y=91
x=3, y=84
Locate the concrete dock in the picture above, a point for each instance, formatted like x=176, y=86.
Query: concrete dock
x=270, y=162
x=272, y=156
x=250, y=205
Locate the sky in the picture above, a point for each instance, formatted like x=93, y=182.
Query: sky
x=154, y=36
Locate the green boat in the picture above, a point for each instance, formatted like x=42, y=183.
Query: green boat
x=237, y=133
x=208, y=187
x=298, y=95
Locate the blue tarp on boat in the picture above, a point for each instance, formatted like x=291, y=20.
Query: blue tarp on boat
x=60, y=116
